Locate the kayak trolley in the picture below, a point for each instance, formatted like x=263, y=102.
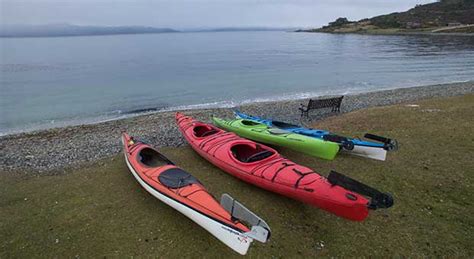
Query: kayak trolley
x=389, y=144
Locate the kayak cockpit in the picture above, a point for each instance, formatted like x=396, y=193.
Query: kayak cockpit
x=250, y=153
x=152, y=158
x=204, y=131
x=250, y=123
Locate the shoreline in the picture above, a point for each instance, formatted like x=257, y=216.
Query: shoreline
x=54, y=150
x=87, y=121
x=393, y=33
x=37, y=128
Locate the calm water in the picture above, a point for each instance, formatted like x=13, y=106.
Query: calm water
x=49, y=82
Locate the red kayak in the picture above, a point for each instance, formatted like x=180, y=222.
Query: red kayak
x=263, y=166
x=183, y=192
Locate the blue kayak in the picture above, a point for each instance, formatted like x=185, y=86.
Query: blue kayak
x=376, y=149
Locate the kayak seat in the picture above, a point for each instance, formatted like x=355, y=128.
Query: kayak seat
x=247, y=153
x=176, y=178
x=204, y=131
x=152, y=158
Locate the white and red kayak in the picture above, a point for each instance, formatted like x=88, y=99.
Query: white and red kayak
x=180, y=190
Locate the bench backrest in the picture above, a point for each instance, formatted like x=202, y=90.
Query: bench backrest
x=325, y=103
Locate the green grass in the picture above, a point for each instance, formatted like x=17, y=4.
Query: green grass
x=102, y=211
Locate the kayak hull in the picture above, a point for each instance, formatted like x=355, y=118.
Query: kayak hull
x=375, y=153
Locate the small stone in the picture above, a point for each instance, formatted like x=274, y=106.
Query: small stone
x=44, y=151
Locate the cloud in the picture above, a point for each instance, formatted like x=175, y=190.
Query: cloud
x=195, y=13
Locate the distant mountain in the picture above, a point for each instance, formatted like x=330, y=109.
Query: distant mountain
x=223, y=29
x=441, y=16
x=57, y=30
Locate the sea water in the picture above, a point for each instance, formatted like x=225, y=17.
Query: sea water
x=59, y=81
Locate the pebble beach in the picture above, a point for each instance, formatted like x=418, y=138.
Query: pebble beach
x=53, y=151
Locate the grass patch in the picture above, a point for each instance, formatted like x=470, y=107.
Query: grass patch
x=102, y=211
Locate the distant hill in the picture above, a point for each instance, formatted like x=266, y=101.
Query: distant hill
x=224, y=29
x=57, y=30
x=437, y=17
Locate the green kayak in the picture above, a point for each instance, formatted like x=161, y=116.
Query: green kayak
x=260, y=132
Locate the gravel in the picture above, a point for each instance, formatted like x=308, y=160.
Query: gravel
x=53, y=151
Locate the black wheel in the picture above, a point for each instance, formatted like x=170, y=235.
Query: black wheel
x=392, y=145
x=348, y=145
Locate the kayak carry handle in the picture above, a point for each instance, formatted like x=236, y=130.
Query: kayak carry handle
x=390, y=144
x=260, y=230
x=379, y=200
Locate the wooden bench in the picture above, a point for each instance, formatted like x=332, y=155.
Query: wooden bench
x=334, y=103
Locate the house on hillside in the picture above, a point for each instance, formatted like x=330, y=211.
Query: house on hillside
x=413, y=25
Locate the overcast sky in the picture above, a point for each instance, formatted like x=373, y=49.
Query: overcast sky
x=195, y=13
